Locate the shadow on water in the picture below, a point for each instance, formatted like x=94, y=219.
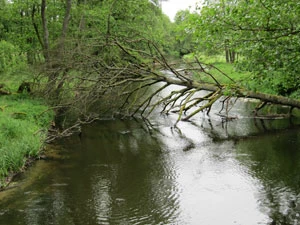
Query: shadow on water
x=204, y=171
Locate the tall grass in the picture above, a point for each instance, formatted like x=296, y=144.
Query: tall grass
x=23, y=125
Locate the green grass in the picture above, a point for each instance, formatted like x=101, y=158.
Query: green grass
x=23, y=125
x=241, y=78
x=221, y=68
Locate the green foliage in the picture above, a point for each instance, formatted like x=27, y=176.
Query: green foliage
x=21, y=22
x=23, y=125
x=11, y=59
x=134, y=19
x=87, y=46
x=183, y=33
x=265, y=34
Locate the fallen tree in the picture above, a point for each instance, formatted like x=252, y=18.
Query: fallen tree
x=185, y=101
x=132, y=83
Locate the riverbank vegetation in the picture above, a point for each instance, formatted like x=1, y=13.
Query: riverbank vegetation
x=24, y=118
x=92, y=59
x=24, y=123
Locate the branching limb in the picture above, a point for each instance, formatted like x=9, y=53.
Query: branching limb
x=170, y=68
x=148, y=100
x=183, y=105
x=213, y=99
x=131, y=82
x=199, y=100
x=76, y=127
x=168, y=99
x=259, y=107
x=171, y=103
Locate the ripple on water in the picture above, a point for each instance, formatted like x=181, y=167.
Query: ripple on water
x=159, y=205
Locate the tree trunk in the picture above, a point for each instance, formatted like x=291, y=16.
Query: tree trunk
x=55, y=58
x=227, y=51
x=35, y=25
x=239, y=92
x=232, y=56
x=66, y=18
x=227, y=55
x=45, y=30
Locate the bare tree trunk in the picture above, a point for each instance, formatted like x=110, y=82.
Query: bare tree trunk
x=232, y=56
x=184, y=100
x=227, y=55
x=136, y=87
x=55, y=59
x=66, y=18
x=239, y=92
x=36, y=26
x=45, y=30
x=227, y=51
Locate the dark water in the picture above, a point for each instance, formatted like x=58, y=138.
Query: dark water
x=124, y=172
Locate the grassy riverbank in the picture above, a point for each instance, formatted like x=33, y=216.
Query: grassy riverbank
x=221, y=68
x=23, y=126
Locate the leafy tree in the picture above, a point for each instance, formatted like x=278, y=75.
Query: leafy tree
x=23, y=24
x=184, y=33
x=265, y=33
x=104, y=55
x=48, y=30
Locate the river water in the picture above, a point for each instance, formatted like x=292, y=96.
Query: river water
x=207, y=172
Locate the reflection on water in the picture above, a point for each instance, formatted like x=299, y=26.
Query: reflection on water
x=275, y=161
x=122, y=172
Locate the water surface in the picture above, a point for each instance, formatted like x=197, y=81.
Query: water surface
x=124, y=172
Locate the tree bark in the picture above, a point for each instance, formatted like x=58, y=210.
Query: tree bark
x=227, y=55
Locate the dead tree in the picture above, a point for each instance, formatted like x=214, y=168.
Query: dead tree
x=185, y=100
x=134, y=86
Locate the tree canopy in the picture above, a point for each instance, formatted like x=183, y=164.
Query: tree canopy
x=265, y=34
x=26, y=24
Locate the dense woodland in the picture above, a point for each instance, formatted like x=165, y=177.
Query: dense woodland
x=79, y=55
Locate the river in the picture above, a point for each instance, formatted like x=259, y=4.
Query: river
x=243, y=172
